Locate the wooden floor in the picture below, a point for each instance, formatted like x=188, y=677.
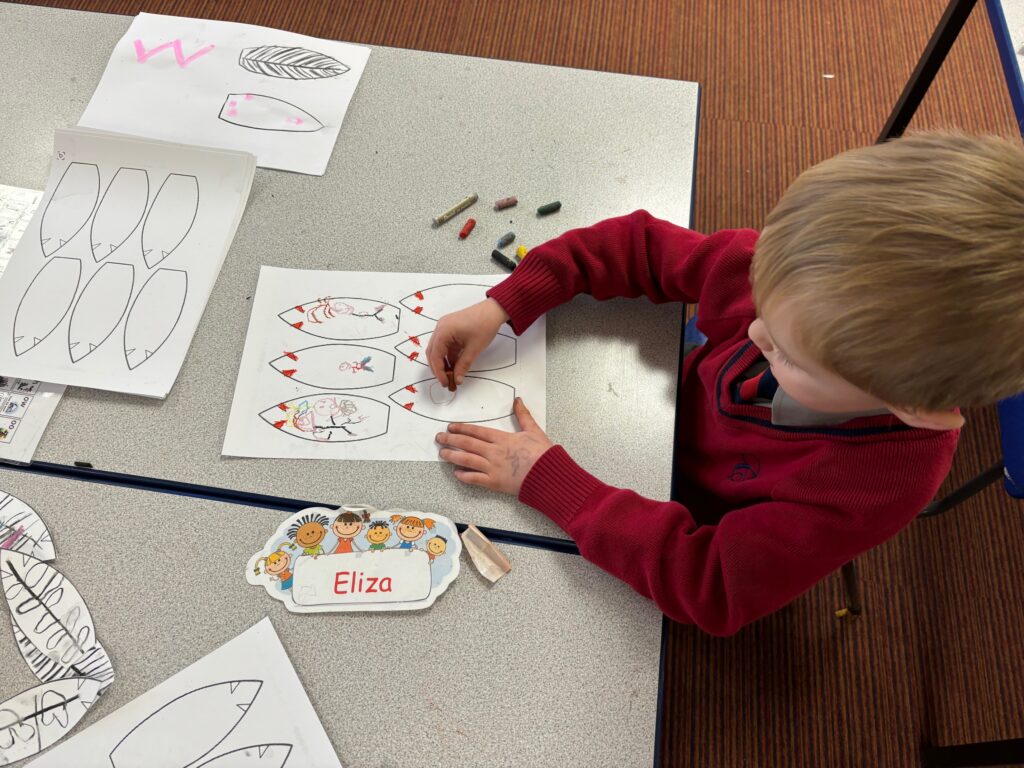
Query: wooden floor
x=937, y=656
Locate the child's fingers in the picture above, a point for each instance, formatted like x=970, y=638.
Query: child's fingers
x=486, y=434
x=526, y=420
x=464, y=361
x=464, y=443
x=465, y=459
x=435, y=359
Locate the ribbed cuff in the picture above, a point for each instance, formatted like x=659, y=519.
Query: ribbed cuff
x=527, y=293
x=558, y=486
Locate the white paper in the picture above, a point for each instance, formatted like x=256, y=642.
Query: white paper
x=242, y=705
x=25, y=405
x=279, y=95
x=16, y=208
x=330, y=358
x=107, y=286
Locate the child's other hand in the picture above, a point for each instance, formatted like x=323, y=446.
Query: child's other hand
x=462, y=336
x=492, y=458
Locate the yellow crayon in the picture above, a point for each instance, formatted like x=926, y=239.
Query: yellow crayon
x=520, y=252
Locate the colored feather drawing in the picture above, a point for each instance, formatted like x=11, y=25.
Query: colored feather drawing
x=22, y=530
x=329, y=418
x=37, y=718
x=47, y=608
x=344, y=319
x=196, y=722
x=337, y=366
x=266, y=113
x=288, y=62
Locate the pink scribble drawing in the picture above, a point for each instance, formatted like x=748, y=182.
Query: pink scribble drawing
x=142, y=55
x=13, y=539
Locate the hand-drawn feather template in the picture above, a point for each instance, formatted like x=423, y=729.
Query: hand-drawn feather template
x=266, y=113
x=22, y=530
x=256, y=756
x=500, y=353
x=475, y=400
x=46, y=302
x=69, y=207
x=344, y=319
x=337, y=366
x=154, y=315
x=288, y=62
x=35, y=719
x=101, y=306
x=170, y=218
x=434, y=303
x=187, y=728
x=120, y=211
x=329, y=418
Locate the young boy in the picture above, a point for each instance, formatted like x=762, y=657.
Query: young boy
x=884, y=293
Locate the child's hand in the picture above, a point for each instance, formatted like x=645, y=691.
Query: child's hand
x=462, y=336
x=492, y=458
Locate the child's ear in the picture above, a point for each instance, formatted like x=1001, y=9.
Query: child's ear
x=937, y=420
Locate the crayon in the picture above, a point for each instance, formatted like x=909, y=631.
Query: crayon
x=521, y=253
x=505, y=239
x=467, y=228
x=450, y=370
x=455, y=211
x=544, y=210
x=505, y=202
x=504, y=260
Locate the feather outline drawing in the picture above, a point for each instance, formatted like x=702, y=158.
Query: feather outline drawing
x=290, y=62
x=198, y=721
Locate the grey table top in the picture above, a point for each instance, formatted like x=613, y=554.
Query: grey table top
x=423, y=130
x=555, y=665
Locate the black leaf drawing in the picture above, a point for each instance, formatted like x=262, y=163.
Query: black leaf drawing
x=291, y=63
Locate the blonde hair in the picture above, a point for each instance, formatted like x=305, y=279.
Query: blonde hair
x=903, y=267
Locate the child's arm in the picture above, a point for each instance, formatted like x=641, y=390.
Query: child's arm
x=634, y=255
x=754, y=561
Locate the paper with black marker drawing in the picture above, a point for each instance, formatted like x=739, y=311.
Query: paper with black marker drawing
x=110, y=279
x=276, y=94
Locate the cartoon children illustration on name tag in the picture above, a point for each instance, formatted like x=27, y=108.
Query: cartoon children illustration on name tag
x=347, y=526
x=309, y=532
x=410, y=529
x=358, y=558
x=276, y=566
x=436, y=547
x=378, y=535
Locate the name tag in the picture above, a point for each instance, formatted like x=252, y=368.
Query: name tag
x=390, y=576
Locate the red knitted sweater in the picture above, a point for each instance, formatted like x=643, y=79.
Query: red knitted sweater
x=764, y=511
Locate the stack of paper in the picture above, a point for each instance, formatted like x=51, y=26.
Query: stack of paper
x=25, y=405
x=108, y=284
